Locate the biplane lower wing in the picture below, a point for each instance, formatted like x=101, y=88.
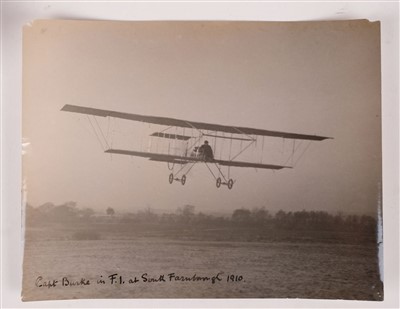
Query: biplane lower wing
x=185, y=159
x=155, y=156
x=250, y=164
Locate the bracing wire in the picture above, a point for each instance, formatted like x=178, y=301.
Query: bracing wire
x=150, y=144
x=182, y=167
x=187, y=172
x=262, y=150
x=230, y=148
x=215, y=141
x=304, y=151
x=183, y=151
x=175, y=139
x=222, y=146
x=294, y=146
x=102, y=134
x=169, y=167
x=165, y=129
x=108, y=127
x=210, y=171
x=220, y=172
x=141, y=136
x=291, y=156
x=95, y=132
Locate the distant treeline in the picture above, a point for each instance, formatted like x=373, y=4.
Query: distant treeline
x=186, y=217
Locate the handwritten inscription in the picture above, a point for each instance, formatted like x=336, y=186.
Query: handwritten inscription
x=117, y=279
x=40, y=282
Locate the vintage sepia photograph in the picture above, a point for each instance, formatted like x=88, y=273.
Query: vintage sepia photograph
x=199, y=159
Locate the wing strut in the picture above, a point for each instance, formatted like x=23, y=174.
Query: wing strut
x=262, y=150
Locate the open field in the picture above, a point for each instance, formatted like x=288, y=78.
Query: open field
x=70, y=253
x=269, y=269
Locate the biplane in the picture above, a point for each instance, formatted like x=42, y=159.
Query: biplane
x=189, y=135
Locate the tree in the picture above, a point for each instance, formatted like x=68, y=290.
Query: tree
x=110, y=211
x=64, y=213
x=241, y=215
x=186, y=213
x=260, y=215
x=86, y=213
x=147, y=216
x=32, y=215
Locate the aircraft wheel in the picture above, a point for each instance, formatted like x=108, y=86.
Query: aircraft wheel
x=230, y=184
x=218, y=184
x=171, y=178
x=183, y=180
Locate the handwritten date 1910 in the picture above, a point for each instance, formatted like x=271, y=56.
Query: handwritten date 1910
x=234, y=278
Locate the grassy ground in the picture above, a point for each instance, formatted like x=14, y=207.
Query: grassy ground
x=114, y=229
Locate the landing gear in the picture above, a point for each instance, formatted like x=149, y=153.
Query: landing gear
x=218, y=183
x=182, y=180
x=220, y=179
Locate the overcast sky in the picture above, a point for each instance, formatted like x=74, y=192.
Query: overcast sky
x=314, y=78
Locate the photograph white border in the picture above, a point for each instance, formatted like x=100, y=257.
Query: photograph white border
x=15, y=14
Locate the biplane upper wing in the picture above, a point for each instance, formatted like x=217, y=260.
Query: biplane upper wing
x=188, y=124
x=182, y=160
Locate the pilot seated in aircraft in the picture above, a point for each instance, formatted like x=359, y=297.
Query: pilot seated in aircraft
x=206, y=152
